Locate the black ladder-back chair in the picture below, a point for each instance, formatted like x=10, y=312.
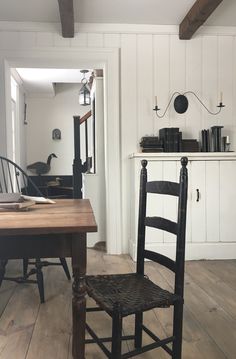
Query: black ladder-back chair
x=14, y=179
x=134, y=293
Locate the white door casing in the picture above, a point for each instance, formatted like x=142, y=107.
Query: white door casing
x=103, y=58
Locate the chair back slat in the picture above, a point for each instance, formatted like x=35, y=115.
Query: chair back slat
x=162, y=223
x=11, y=187
x=161, y=259
x=1, y=179
x=17, y=175
x=3, y=175
x=163, y=187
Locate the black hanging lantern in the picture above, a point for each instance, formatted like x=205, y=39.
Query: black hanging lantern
x=84, y=93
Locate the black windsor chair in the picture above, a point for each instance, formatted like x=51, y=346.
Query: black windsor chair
x=121, y=295
x=13, y=179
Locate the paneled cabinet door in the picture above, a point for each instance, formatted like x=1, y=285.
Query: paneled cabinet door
x=228, y=201
x=205, y=201
x=212, y=201
x=198, y=201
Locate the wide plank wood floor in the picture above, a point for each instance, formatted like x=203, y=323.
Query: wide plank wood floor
x=29, y=330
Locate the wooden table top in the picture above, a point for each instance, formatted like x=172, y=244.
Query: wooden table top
x=65, y=216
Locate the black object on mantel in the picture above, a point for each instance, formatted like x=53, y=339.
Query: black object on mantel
x=151, y=144
x=206, y=143
x=189, y=145
x=171, y=139
x=216, y=138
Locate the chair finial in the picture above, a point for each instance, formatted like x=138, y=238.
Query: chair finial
x=144, y=163
x=184, y=161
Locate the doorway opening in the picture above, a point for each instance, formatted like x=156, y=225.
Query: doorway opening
x=108, y=60
x=51, y=100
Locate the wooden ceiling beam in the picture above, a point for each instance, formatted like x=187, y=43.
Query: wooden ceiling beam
x=196, y=16
x=66, y=9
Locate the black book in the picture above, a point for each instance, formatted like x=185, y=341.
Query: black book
x=208, y=141
x=170, y=139
x=203, y=141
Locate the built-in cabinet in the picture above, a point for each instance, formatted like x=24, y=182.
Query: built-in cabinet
x=211, y=213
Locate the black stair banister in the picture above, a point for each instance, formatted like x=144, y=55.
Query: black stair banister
x=78, y=166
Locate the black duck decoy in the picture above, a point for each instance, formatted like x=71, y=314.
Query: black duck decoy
x=41, y=168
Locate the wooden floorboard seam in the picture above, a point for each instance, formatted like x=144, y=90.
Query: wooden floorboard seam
x=12, y=293
x=32, y=333
x=208, y=333
x=227, y=311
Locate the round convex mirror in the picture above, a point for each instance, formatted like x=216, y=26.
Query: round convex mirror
x=181, y=104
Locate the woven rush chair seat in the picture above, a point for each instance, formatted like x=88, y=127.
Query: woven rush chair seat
x=133, y=292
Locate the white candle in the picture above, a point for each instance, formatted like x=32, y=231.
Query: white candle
x=227, y=139
x=155, y=100
x=221, y=97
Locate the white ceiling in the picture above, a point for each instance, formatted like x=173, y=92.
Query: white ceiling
x=40, y=82
x=169, y=12
x=159, y=12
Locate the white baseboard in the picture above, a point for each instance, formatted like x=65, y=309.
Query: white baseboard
x=194, y=251
x=92, y=239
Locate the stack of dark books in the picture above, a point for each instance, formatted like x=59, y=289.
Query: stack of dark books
x=151, y=144
x=216, y=138
x=206, y=141
x=171, y=139
x=189, y=145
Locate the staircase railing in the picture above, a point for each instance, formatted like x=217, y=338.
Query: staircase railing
x=78, y=167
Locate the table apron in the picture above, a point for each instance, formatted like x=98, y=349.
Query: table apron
x=36, y=246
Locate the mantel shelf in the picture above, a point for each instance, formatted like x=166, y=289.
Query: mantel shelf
x=194, y=156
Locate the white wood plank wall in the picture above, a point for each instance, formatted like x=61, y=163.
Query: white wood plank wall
x=154, y=63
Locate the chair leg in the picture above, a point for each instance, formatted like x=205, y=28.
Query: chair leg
x=138, y=330
x=3, y=264
x=25, y=267
x=116, y=336
x=39, y=276
x=65, y=267
x=177, y=330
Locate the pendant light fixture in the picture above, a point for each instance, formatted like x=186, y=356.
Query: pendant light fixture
x=84, y=93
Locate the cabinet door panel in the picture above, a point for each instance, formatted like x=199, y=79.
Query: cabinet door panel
x=227, y=201
x=198, y=201
x=212, y=201
x=154, y=201
x=170, y=202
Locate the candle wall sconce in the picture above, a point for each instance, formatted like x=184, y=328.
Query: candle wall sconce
x=181, y=103
x=56, y=134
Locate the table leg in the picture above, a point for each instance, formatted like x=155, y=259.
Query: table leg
x=3, y=263
x=79, y=290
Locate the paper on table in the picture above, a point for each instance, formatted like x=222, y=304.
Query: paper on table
x=10, y=197
x=16, y=206
x=38, y=199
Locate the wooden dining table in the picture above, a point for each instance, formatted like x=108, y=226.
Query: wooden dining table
x=53, y=231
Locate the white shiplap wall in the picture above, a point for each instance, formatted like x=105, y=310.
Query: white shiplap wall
x=153, y=61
